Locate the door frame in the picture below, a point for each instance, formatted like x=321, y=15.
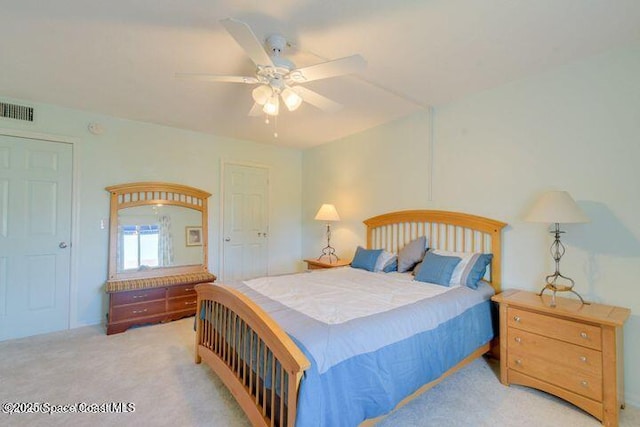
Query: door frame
x=73, y=267
x=223, y=164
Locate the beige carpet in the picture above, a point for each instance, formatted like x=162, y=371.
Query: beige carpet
x=152, y=367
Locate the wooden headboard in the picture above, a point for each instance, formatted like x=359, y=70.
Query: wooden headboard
x=448, y=231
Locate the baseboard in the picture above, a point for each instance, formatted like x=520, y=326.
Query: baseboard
x=632, y=399
x=81, y=324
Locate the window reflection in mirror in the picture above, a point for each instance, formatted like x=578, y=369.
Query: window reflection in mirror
x=140, y=246
x=154, y=237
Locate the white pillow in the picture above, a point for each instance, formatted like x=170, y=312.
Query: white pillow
x=383, y=260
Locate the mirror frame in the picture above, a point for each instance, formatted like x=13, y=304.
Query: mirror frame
x=149, y=194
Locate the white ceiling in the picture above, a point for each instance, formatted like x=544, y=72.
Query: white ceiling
x=118, y=57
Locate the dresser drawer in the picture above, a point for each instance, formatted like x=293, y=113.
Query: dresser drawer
x=184, y=303
x=181, y=290
x=580, y=382
x=566, y=355
x=131, y=311
x=141, y=295
x=565, y=330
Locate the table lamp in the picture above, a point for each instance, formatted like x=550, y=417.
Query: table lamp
x=557, y=207
x=328, y=213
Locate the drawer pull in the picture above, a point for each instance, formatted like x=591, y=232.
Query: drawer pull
x=518, y=362
x=583, y=359
x=516, y=318
x=139, y=311
x=584, y=383
x=188, y=289
x=584, y=335
x=190, y=302
x=139, y=296
x=518, y=340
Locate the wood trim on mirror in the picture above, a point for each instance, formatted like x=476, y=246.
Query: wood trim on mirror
x=155, y=193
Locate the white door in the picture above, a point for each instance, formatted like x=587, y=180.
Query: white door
x=35, y=234
x=245, y=222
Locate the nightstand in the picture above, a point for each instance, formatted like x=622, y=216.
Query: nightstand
x=573, y=351
x=314, y=264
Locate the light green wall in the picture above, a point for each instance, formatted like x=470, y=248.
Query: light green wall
x=133, y=151
x=365, y=175
x=576, y=128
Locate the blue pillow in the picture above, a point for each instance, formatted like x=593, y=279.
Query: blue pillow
x=472, y=275
x=437, y=268
x=366, y=258
x=384, y=260
x=470, y=270
x=391, y=266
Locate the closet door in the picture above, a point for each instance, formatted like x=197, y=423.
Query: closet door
x=245, y=222
x=35, y=235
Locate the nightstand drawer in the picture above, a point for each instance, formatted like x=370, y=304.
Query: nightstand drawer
x=565, y=330
x=579, y=382
x=566, y=355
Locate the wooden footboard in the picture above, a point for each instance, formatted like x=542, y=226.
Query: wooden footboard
x=254, y=357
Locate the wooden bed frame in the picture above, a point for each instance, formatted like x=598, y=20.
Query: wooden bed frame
x=231, y=321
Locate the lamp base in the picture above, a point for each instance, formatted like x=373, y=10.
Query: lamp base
x=557, y=250
x=329, y=252
x=560, y=288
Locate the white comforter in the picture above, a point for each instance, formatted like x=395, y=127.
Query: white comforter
x=335, y=296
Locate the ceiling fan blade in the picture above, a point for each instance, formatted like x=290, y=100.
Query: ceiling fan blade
x=317, y=100
x=256, y=110
x=246, y=38
x=348, y=65
x=216, y=78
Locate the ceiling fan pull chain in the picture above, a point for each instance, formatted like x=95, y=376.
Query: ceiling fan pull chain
x=275, y=126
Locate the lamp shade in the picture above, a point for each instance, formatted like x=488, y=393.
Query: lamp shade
x=261, y=94
x=556, y=207
x=291, y=99
x=327, y=212
x=272, y=106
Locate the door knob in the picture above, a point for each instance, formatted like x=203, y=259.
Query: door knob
x=228, y=239
x=62, y=245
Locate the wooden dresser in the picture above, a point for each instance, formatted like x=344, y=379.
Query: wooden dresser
x=573, y=351
x=154, y=264
x=139, y=302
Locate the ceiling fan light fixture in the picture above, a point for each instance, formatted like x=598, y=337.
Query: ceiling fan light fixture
x=272, y=106
x=274, y=73
x=291, y=99
x=261, y=94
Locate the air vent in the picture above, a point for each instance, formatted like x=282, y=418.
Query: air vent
x=17, y=112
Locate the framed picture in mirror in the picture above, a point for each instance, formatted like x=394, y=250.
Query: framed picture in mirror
x=194, y=236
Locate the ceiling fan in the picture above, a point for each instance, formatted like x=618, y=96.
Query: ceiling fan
x=277, y=77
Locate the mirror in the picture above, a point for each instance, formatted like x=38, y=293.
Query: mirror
x=157, y=229
x=158, y=236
